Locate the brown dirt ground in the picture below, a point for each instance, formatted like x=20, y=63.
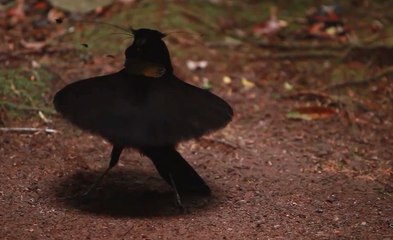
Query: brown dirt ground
x=271, y=178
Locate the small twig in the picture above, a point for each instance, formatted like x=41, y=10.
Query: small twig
x=26, y=108
x=323, y=97
x=340, y=103
x=197, y=18
x=366, y=82
x=27, y=130
x=303, y=46
x=20, y=54
x=307, y=55
x=39, y=46
x=223, y=142
x=308, y=95
x=318, y=55
x=306, y=46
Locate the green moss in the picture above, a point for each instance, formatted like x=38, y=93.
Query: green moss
x=343, y=73
x=24, y=92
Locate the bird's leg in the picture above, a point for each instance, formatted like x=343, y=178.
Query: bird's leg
x=177, y=196
x=115, y=155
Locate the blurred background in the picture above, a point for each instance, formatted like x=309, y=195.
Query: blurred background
x=289, y=46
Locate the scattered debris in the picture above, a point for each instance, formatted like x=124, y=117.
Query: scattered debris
x=326, y=22
x=364, y=82
x=59, y=20
x=77, y=6
x=39, y=45
x=33, y=45
x=311, y=113
x=196, y=65
x=27, y=130
x=226, y=80
x=206, y=84
x=232, y=42
x=271, y=26
x=376, y=25
x=17, y=13
x=247, y=84
x=288, y=86
x=55, y=16
x=43, y=117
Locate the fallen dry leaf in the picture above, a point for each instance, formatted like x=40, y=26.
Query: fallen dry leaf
x=311, y=113
x=33, y=45
x=226, y=79
x=247, y=84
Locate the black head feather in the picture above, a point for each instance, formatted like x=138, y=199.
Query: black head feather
x=149, y=47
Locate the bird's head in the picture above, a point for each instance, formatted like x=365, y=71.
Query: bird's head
x=149, y=47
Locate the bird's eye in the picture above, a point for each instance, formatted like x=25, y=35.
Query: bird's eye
x=140, y=42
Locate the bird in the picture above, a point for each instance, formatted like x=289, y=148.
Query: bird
x=145, y=106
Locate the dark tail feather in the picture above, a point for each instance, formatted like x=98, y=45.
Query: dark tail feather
x=168, y=161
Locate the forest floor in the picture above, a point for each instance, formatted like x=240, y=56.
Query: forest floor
x=308, y=154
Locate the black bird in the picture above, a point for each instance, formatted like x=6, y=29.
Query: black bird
x=146, y=107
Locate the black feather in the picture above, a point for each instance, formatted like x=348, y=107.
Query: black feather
x=151, y=114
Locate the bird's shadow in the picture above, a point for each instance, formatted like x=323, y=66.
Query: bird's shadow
x=124, y=194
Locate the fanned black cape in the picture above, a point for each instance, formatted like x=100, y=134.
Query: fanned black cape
x=131, y=110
